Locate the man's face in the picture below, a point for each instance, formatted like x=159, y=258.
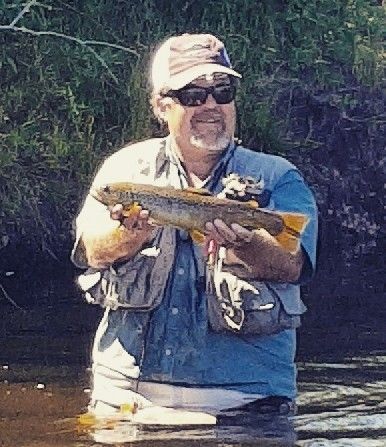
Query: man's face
x=207, y=127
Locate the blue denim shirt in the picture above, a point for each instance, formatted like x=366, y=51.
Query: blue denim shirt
x=174, y=343
x=182, y=349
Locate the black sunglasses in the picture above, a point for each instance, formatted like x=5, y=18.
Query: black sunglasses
x=192, y=96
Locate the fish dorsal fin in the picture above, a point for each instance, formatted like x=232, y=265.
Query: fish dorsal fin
x=199, y=191
x=253, y=204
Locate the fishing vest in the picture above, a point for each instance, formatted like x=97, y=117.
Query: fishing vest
x=244, y=306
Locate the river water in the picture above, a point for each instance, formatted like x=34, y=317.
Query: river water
x=44, y=386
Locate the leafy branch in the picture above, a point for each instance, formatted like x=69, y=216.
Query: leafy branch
x=87, y=44
x=26, y=9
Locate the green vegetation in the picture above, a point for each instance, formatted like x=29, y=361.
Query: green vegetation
x=66, y=103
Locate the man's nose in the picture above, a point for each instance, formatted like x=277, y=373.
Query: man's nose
x=210, y=101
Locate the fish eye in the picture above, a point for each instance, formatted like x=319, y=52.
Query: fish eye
x=106, y=189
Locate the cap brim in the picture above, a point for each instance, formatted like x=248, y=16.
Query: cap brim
x=181, y=79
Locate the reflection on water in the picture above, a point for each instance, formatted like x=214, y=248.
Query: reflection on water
x=349, y=414
x=44, y=386
x=208, y=436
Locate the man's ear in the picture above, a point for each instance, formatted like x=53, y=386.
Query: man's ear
x=163, y=104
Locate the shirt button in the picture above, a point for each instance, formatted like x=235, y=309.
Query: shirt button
x=180, y=271
x=168, y=351
x=174, y=310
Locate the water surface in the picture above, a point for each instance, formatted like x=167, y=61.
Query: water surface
x=44, y=385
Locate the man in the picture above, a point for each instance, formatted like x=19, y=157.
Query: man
x=182, y=328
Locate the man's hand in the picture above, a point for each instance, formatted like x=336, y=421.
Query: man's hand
x=255, y=254
x=138, y=221
x=228, y=236
x=116, y=237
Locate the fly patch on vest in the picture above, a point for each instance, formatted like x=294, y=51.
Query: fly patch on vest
x=246, y=306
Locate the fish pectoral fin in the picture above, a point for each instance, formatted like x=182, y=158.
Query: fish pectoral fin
x=132, y=210
x=197, y=236
x=199, y=191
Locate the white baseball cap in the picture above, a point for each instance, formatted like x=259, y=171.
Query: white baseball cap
x=181, y=59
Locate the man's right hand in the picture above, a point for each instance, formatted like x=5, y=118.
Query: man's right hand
x=137, y=220
x=117, y=237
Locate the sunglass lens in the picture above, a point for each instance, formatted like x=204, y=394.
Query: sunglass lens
x=196, y=96
x=224, y=94
x=192, y=96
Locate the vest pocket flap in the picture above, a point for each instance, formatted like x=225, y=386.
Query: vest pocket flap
x=289, y=296
x=126, y=272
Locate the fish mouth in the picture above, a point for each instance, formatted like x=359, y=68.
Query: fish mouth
x=102, y=194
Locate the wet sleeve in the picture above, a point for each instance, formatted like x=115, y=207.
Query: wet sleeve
x=293, y=195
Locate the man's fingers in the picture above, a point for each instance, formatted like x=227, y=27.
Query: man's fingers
x=139, y=220
x=220, y=232
x=143, y=215
x=228, y=235
x=212, y=233
x=226, y=232
x=136, y=219
x=242, y=233
x=116, y=212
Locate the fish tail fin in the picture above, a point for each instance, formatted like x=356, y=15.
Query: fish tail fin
x=288, y=241
x=294, y=224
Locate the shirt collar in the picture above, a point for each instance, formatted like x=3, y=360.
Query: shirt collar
x=218, y=170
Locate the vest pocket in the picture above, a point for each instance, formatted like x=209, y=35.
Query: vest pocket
x=252, y=307
x=137, y=284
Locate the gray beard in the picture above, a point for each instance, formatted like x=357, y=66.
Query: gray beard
x=217, y=146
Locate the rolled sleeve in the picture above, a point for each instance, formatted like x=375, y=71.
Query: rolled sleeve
x=92, y=212
x=113, y=169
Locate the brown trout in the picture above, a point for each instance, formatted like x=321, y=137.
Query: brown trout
x=189, y=209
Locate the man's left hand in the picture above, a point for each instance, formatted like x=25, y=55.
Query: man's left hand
x=255, y=254
x=228, y=236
